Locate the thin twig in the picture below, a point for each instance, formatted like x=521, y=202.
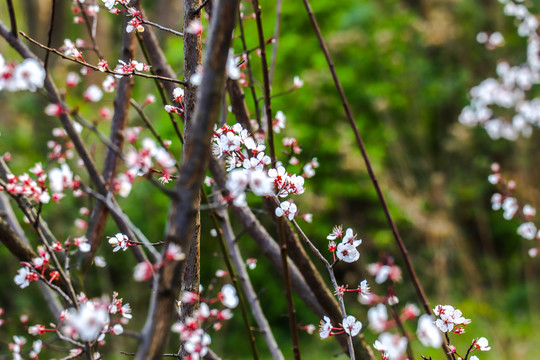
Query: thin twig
x=239, y=264
x=149, y=125
x=251, y=83
x=224, y=241
x=49, y=34
x=199, y=8
x=330, y=268
x=275, y=41
x=157, y=53
x=121, y=215
x=402, y=329
x=96, y=68
x=89, y=29
x=266, y=81
x=270, y=140
x=164, y=28
x=92, y=127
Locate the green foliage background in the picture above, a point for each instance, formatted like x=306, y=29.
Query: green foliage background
x=406, y=67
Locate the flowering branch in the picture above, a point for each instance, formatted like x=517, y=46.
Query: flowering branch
x=252, y=297
x=412, y=273
x=97, y=68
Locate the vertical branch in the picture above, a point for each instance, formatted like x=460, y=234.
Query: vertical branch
x=49, y=35
x=226, y=234
x=182, y=218
x=250, y=73
x=280, y=222
x=275, y=41
x=12, y=18
x=330, y=269
x=119, y=122
x=266, y=81
x=192, y=60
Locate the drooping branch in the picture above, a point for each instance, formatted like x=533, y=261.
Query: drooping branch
x=96, y=68
x=360, y=143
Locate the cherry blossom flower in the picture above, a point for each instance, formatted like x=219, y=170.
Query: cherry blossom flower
x=82, y=243
x=53, y=110
x=347, y=252
x=482, y=344
x=100, y=262
x=427, y=332
x=233, y=72
x=527, y=230
x=109, y=84
x=251, y=263
x=143, y=271
x=351, y=325
x=93, y=93
x=260, y=183
x=29, y=75
x=279, y=122
x=297, y=82
x=119, y=241
x=325, y=328
x=24, y=276
x=528, y=211
x=89, y=320
x=288, y=210
x=363, y=288
x=178, y=94
x=195, y=27
x=378, y=318
x=392, y=346
x=228, y=297
x=337, y=232
x=60, y=178
x=72, y=79
x=449, y=317
x=197, y=344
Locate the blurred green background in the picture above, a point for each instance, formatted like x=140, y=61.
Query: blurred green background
x=406, y=67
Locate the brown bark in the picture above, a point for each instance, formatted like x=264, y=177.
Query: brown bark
x=182, y=220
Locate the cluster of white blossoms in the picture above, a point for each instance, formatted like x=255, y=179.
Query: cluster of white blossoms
x=16, y=348
x=346, y=250
x=508, y=92
x=349, y=326
x=60, y=179
x=512, y=209
x=393, y=346
x=192, y=330
x=92, y=320
x=28, y=75
x=449, y=317
x=139, y=162
x=248, y=168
